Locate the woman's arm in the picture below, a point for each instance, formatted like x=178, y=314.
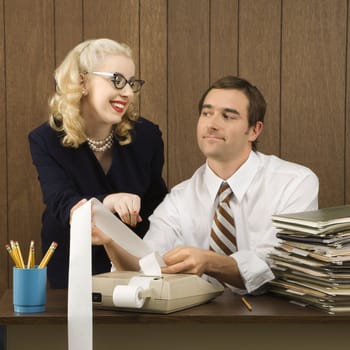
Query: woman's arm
x=120, y=258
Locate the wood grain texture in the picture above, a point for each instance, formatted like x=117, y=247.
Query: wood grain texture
x=224, y=33
x=313, y=91
x=260, y=61
x=68, y=27
x=188, y=77
x=113, y=19
x=4, y=260
x=30, y=58
x=224, y=309
x=153, y=65
x=347, y=120
x=295, y=51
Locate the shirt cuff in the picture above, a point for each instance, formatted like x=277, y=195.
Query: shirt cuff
x=254, y=271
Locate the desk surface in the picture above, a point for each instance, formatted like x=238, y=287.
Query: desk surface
x=227, y=308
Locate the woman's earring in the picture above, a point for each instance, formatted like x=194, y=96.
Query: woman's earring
x=84, y=92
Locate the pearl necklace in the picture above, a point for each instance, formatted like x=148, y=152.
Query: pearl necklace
x=101, y=145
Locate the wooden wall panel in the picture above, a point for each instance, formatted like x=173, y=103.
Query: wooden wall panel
x=295, y=51
x=260, y=61
x=116, y=19
x=153, y=65
x=188, y=77
x=29, y=54
x=4, y=260
x=347, y=120
x=223, y=38
x=68, y=27
x=313, y=93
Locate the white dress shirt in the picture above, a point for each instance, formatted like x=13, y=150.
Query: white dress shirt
x=264, y=185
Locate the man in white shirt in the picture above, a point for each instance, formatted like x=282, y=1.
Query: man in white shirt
x=230, y=122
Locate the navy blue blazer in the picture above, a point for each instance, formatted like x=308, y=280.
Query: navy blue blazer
x=67, y=175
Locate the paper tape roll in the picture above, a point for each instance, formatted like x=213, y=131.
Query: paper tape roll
x=128, y=296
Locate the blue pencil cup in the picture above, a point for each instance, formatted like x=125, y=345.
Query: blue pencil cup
x=29, y=290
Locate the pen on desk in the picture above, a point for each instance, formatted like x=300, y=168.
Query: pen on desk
x=31, y=256
x=47, y=255
x=247, y=305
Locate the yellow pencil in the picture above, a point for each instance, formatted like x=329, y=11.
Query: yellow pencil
x=14, y=251
x=31, y=256
x=47, y=255
x=19, y=254
x=247, y=305
x=12, y=255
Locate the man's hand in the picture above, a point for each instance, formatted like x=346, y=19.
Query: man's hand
x=199, y=261
x=186, y=260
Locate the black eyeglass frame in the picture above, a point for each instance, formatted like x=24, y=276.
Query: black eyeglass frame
x=124, y=81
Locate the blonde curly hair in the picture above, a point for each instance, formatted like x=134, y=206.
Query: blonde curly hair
x=65, y=116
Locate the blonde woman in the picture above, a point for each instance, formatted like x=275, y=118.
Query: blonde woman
x=96, y=145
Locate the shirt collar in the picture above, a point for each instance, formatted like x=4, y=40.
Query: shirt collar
x=239, y=181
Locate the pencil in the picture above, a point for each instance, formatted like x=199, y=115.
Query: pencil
x=14, y=252
x=12, y=255
x=31, y=256
x=19, y=254
x=247, y=305
x=47, y=255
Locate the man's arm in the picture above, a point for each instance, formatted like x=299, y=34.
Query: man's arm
x=199, y=261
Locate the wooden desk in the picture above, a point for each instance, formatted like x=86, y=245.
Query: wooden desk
x=273, y=324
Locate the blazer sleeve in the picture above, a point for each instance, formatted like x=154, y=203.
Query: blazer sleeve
x=59, y=191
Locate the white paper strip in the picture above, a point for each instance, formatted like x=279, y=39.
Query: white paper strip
x=80, y=282
x=151, y=264
x=119, y=232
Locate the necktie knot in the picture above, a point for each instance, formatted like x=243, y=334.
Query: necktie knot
x=225, y=193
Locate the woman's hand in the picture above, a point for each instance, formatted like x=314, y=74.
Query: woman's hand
x=126, y=205
x=75, y=207
x=98, y=237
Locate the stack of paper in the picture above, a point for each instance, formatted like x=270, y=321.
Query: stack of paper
x=312, y=261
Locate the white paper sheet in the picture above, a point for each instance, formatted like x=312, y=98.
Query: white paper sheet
x=80, y=279
x=79, y=282
x=119, y=232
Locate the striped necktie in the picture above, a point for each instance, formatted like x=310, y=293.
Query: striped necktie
x=223, y=231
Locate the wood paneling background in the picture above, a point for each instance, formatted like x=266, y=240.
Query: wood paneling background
x=296, y=51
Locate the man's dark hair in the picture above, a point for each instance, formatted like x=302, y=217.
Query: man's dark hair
x=257, y=104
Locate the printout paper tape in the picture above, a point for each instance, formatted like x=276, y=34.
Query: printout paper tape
x=80, y=282
x=151, y=264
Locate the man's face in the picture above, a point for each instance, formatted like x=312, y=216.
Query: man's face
x=223, y=133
